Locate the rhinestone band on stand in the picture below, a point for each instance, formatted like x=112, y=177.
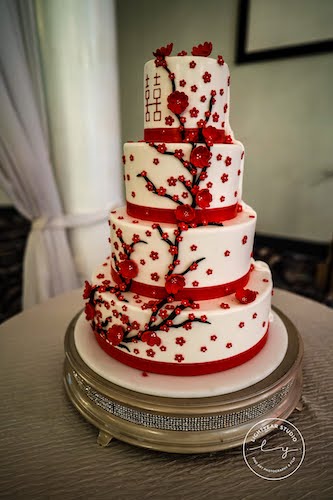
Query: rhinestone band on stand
x=183, y=425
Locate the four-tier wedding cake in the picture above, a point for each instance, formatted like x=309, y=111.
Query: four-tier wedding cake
x=180, y=293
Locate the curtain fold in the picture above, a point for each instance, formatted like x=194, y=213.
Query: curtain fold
x=26, y=172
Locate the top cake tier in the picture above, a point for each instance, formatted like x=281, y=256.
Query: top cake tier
x=183, y=95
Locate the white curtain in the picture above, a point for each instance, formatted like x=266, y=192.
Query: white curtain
x=25, y=168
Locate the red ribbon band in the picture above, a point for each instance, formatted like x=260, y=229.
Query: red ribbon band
x=168, y=215
x=176, y=135
x=179, y=369
x=202, y=293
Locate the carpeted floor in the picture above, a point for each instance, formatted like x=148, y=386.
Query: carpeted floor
x=300, y=267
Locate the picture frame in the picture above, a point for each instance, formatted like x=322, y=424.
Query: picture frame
x=244, y=54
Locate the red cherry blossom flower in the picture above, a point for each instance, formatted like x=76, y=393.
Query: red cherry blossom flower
x=193, y=248
x=241, y=324
x=203, y=49
x=185, y=195
x=172, y=181
x=179, y=153
x=228, y=139
x=223, y=305
x=148, y=233
x=187, y=326
x=213, y=338
x=163, y=51
x=228, y=81
x=242, y=155
x=201, y=124
x=177, y=102
x=203, y=348
x=194, y=266
x=182, y=83
x=151, y=338
x=211, y=134
x=174, y=283
x=115, y=334
x=192, y=64
x=195, y=283
x=200, y=157
x=180, y=341
x=244, y=240
x=179, y=358
x=194, y=112
x=87, y=290
x=153, y=255
x=228, y=345
x=182, y=53
x=155, y=276
x=203, y=98
x=228, y=161
x=215, y=117
x=161, y=191
x=161, y=148
x=131, y=157
x=156, y=160
x=124, y=161
x=128, y=269
x=245, y=296
x=209, y=272
x=150, y=353
x=169, y=120
x=89, y=311
x=254, y=315
x=172, y=76
x=194, y=88
x=185, y=213
x=264, y=324
x=227, y=253
x=206, y=77
x=220, y=60
x=224, y=178
x=135, y=238
x=203, y=198
x=173, y=250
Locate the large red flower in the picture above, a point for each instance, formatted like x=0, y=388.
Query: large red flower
x=163, y=51
x=87, y=290
x=151, y=338
x=245, y=296
x=177, y=102
x=174, y=283
x=128, y=269
x=115, y=334
x=203, y=198
x=203, y=49
x=200, y=156
x=211, y=134
x=90, y=311
x=185, y=213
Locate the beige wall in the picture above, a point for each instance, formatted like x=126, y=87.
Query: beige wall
x=281, y=110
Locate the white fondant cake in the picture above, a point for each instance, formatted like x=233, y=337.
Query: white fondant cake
x=180, y=293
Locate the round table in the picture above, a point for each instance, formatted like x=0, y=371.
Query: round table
x=49, y=451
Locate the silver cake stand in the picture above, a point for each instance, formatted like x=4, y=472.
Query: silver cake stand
x=183, y=425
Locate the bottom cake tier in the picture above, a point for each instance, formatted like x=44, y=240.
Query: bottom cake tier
x=180, y=338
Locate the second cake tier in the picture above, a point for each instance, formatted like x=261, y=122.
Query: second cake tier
x=211, y=261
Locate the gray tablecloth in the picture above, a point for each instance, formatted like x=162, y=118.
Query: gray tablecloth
x=49, y=451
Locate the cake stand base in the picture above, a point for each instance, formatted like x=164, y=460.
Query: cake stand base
x=184, y=424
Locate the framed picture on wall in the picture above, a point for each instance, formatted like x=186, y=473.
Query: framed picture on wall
x=275, y=29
